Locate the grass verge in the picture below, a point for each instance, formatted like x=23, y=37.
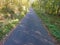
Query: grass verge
x=52, y=22
x=6, y=27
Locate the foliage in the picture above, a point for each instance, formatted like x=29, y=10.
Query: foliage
x=11, y=14
x=49, y=6
x=48, y=11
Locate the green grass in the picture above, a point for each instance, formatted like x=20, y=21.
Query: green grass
x=6, y=28
x=52, y=22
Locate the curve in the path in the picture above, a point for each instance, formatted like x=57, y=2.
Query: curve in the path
x=29, y=32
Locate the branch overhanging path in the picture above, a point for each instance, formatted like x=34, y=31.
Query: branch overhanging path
x=29, y=32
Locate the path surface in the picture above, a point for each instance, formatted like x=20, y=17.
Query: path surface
x=29, y=32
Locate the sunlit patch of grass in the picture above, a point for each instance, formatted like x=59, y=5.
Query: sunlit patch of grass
x=7, y=28
x=23, y=13
x=13, y=20
x=11, y=14
x=8, y=24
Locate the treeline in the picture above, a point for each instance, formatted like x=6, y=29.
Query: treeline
x=49, y=6
x=49, y=12
x=8, y=8
x=11, y=12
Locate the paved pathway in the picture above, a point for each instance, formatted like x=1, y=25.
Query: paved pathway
x=29, y=32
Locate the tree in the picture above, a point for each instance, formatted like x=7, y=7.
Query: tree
x=49, y=6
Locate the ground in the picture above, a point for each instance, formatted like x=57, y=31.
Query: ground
x=30, y=31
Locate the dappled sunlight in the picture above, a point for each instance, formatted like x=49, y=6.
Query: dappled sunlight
x=24, y=8
x=13, y=20
x=49, y=12
x=20, y=22
x=28, y=29
x=23, y=13
x=11, y=12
